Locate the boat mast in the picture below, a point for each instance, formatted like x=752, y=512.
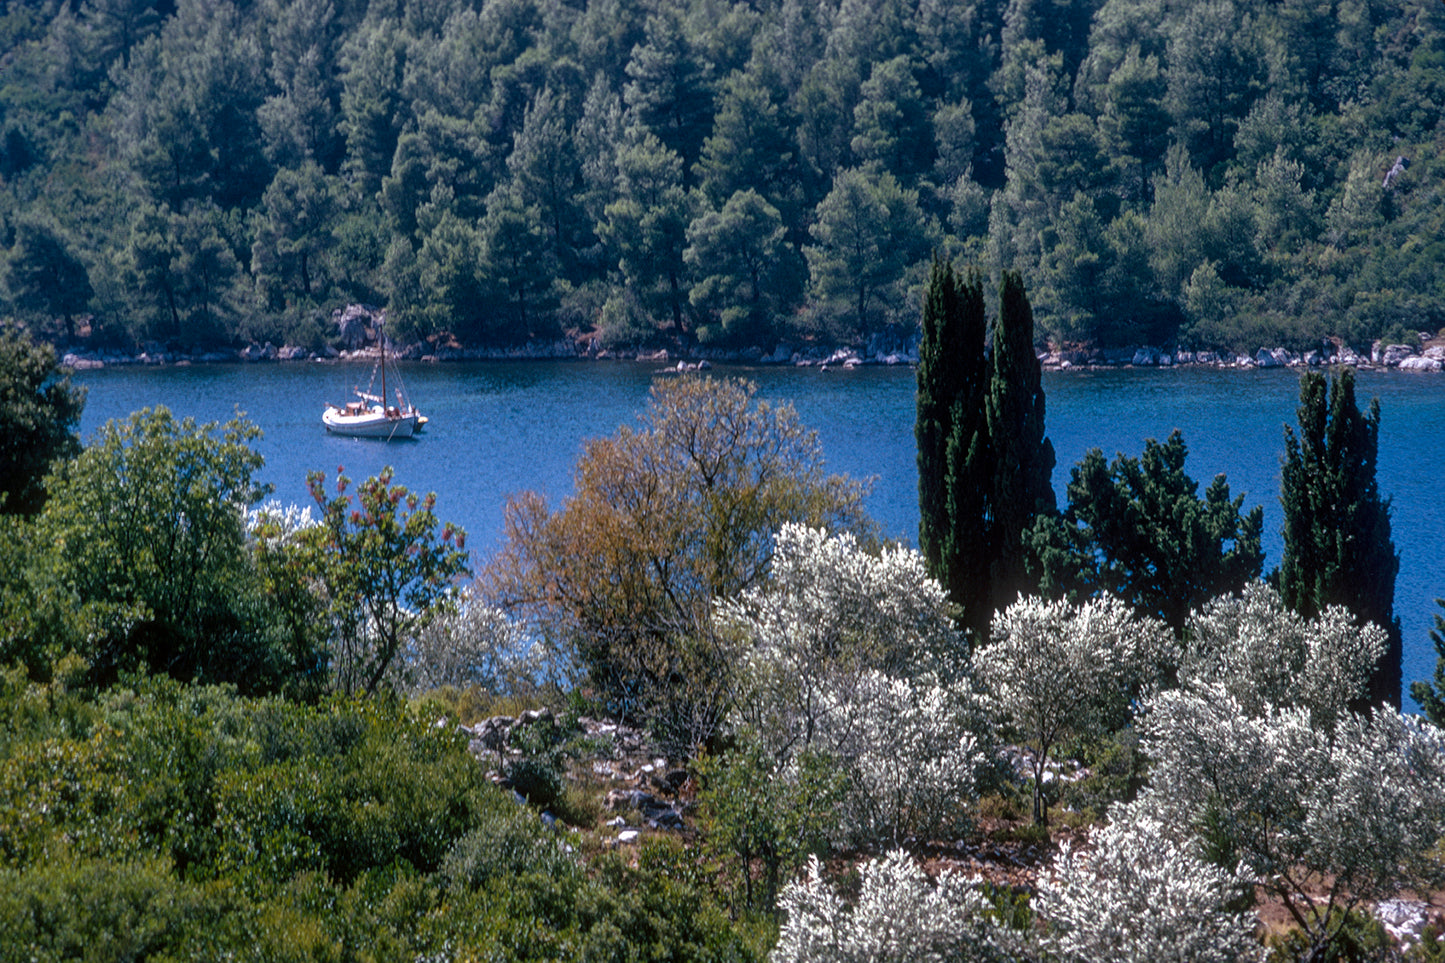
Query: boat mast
x=381, y=333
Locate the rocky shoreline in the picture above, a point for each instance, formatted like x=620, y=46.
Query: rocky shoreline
x=358, y=327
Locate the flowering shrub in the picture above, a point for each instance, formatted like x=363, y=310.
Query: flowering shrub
x=900, y=916
x=384, y=571
x=1263, y=654
x=1142, y=896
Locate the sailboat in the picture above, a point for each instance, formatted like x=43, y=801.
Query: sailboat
x=370, y=416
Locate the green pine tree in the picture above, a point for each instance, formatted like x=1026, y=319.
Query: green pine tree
x=1431, y=695
x=1337, y=545
x=952, y=436
x=1023, y=459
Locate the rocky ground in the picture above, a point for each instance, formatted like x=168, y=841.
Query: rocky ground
x=357, y=328
x=641, y=793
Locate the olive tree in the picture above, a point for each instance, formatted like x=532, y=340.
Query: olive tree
x=1054, y=669
x=1324, y=820
x=830, y=615
x=853, y=655
x=1263, y=654
x=1142, y=894
x=900, y=915
x=667, y=519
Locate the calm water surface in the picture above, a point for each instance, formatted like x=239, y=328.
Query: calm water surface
x=503, y=427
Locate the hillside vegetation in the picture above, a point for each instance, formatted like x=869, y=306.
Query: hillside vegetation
x=1217, y=173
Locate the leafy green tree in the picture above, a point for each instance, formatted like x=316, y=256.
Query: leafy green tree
x=148, y=533
x=751, y=148
x=747, y=275
x=667, y=91
x=299, y=122
x=519, y=261
x=1135, y=124
x=186, y=284
x=1140, y=531
x=45, y=278
x=868, y=232
x=293, y=235
x=769, y=824
x=385, y=570
x=187, y=108
x=372, y=63
x=39, y=415
x=1431, y=694
x=544, y=164
x=441, y=287
x=1214, y=74
x=647, y=226
x=953, y=447
x=891, y=123
x=1337, y=545
x=1023, y=458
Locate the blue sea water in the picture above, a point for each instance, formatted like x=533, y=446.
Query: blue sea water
x=503, y=427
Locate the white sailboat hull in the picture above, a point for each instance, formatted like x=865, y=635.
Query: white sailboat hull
x=373, y=422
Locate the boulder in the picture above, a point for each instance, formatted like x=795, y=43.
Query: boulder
x=782, y=354
x=1417, y=363
x=1146, y=356
x=354, y=324
x=1436, y=351
x=1392, y=354
x=1265, y=358
x=292, y=352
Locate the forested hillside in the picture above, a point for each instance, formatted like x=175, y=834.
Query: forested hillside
x=1216, y=173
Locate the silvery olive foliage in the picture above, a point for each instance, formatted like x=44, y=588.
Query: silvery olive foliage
x=829, y=615
x=1052, y=669
x=474, y=644
x=912, y=756
x=854, y=655
x=901, y=915
x=1261, y=653
x=1142, y=895
x=1355, y=809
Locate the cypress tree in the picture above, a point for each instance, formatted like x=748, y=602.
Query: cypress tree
x=1023, y=459
x=1337, y=545
x=953, y=465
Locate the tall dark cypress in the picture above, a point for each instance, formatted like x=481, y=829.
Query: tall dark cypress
x=1337, y=544
x=1023, y=459
x=952, y=434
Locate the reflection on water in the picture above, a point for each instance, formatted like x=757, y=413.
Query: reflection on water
x=503, y=427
